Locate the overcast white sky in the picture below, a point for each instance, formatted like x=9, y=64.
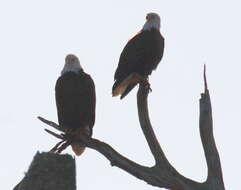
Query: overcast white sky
x=35, y=37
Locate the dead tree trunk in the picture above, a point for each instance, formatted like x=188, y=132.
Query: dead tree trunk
x=49, y=171
x=163, y=174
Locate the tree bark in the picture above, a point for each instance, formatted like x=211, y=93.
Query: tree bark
x=49, y=171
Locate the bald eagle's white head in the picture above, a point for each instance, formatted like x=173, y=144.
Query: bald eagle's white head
x=72, y=64
x=152, y=21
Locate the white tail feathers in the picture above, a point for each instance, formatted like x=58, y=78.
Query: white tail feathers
x=132, y=79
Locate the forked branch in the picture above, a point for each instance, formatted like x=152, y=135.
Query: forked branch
x=162, y=174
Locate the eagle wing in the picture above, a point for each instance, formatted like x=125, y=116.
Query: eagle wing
x=76, y=100
x=141, y=55
x=133, y=54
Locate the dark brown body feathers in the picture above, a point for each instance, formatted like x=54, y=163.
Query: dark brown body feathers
x=75, y=100
x=141, y=55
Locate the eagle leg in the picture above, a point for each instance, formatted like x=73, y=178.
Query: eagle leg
x=146, y=84
x=63, y=146
x=56, y=147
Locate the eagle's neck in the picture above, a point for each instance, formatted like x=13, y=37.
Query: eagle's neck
x=151, y=24
x=76, y=68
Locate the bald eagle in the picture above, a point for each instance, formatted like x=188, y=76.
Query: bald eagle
x=75, y=100
x=140, y=56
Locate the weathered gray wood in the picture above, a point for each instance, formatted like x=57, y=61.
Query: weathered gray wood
x=215, y=178
x=145, y=123
x=49, y=171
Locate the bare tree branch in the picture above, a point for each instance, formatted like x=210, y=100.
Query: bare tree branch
x=162, y=174
x=52, y=124
x=147, y=129
x=208, y=141
x=115, y=158
x=120, y=161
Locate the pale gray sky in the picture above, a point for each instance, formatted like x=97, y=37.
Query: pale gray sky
x=35, y=37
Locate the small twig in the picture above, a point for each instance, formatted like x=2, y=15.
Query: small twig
x=56, y=147
x=55, y=134
x=205, y=79
x=63, y=147
x=52, y=124
x=66, y=141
